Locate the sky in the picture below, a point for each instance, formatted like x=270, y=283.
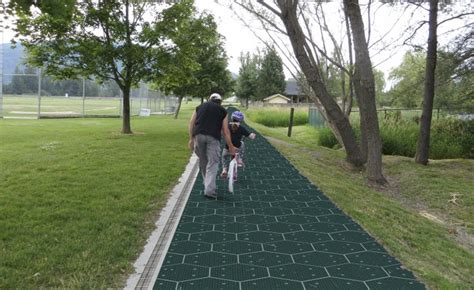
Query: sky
x=388, y=22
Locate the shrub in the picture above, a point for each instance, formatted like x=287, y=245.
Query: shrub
x=450, y=138
x=326, y=138
x=277, y=117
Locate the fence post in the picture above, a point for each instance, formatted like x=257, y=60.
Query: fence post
x=83, y=97
x=292, y=112
x=39, y=93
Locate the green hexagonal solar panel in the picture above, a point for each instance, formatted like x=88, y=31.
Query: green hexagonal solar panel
x=276, y=231
x=239, y=272
x=272, y=284
x=164, y=285
x=210, y=259
x=334, y=283
x=237, y=247
x=338, y=247
x=208, y=283
x=183, y=272
x=265, y=259
x=235, y=227
x=298, y=272
x=356, y=272
x=394, y=283
x=260, y=237
x=288, y=247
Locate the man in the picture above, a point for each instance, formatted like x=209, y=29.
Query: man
x=205, y=128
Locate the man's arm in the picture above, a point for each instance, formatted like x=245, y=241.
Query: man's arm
x=190, y=128
x=228, y=140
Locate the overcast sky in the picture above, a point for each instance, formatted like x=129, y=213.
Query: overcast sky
x=238, y=38
x=388, y=23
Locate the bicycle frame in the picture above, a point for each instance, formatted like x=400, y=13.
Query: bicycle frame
x=232, y=176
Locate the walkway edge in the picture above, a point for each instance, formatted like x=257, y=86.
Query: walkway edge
x=148, y=264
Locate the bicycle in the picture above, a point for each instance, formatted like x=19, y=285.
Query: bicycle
x=233, y=172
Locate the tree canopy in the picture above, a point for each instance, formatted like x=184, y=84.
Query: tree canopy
x=124, y=41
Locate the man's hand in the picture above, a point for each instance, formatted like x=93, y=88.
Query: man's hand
x=252, y=136
x=191, y=144
x=232, y=150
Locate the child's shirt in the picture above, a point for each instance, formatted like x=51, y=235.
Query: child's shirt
x=236, y=136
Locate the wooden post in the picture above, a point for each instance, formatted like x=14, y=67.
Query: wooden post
x=292, y=112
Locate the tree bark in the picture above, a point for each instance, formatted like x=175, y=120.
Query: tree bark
x=180, y=99
x=309, y=68
x=126, y=127
x=423, y=143
x=364, y=85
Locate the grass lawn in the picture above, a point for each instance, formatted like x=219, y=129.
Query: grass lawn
x=78, y=199
x=412, y=217
x=27, y=106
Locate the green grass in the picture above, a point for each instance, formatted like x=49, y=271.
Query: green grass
x=277, y=117
x=392, y=215
x=78, y=199
x=27, y=106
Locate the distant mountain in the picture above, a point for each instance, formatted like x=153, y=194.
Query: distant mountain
x=234, y=75
x=12, y=57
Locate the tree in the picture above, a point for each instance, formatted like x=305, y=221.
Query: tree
x=247, y=86
x=422, y=151
x=423, y=143
x=407, y=90
x=364, y=86
x=200, y=67
x=287, y=12
x=271, y=78
x=107, y=40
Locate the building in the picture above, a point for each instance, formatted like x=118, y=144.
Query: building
x=293, y=91
x=277, y=99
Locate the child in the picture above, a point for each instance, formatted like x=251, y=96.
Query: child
x=236, y=133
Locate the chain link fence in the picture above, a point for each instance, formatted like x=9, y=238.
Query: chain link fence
x=28, y=94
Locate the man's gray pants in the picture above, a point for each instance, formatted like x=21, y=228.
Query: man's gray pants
x=208, y=149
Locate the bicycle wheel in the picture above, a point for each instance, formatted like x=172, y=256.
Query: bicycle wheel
x=232, y=174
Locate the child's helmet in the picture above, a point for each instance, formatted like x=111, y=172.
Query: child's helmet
x=238, y=116
x=216, y=98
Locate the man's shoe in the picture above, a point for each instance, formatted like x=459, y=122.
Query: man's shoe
x=211, y=195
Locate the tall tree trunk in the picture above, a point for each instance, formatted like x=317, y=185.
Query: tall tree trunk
x=348, y=110
x=306, y=60
x=180, y=100
x=423, y=143
x=126, y=127
x=364, y=85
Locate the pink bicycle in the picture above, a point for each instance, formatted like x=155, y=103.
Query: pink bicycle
x=233, y=172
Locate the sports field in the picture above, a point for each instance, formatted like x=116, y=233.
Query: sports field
x=28, y=106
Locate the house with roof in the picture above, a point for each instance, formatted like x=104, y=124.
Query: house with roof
x=294, y=92
x=277, y=99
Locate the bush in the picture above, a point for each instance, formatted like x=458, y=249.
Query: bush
x=277, y=117
x=326, y=138
x=450, y=138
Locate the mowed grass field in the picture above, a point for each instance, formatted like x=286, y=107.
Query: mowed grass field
x=26, y=106
x=78, y=199
x=424, y=216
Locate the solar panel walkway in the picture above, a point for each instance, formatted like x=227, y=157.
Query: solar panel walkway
x=276, y=231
